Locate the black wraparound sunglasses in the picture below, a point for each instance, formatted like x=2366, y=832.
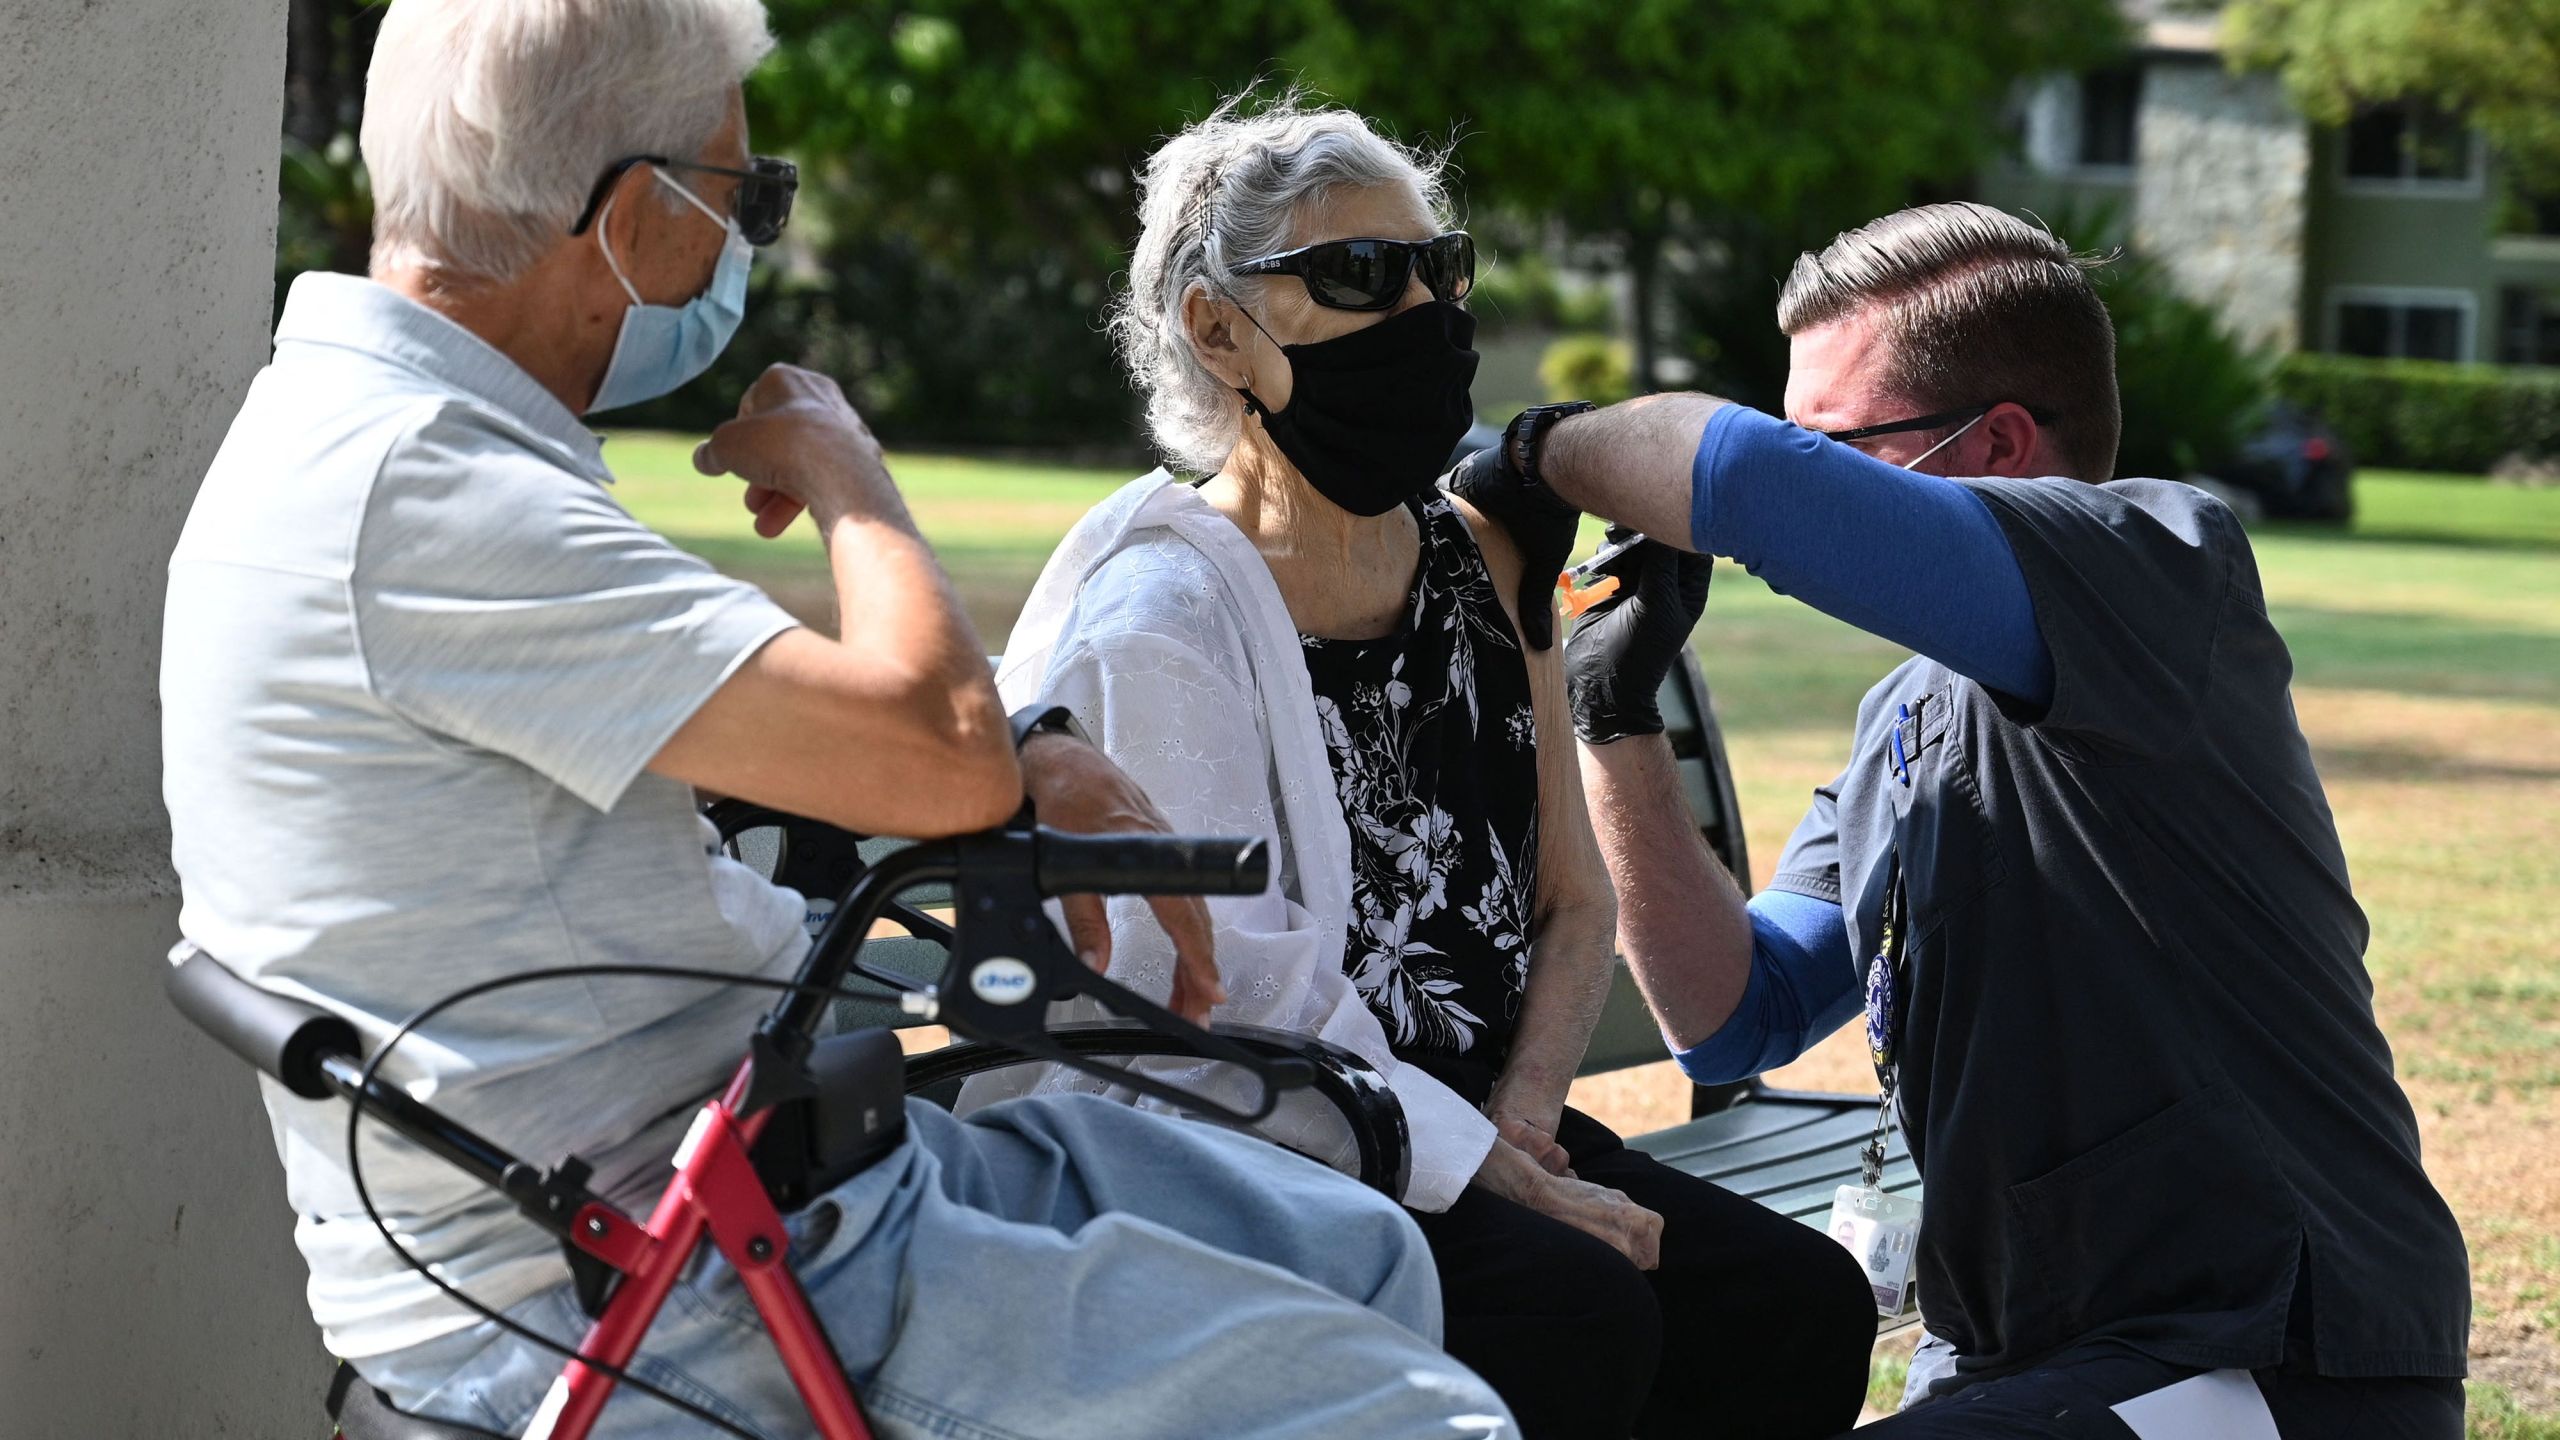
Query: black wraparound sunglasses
x=1373, y=274
x=762, y=205
x=1964, y=416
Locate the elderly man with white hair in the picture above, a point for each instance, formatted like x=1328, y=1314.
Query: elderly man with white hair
x=435, y=706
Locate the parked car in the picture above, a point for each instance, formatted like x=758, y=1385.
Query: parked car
x=2296, y=466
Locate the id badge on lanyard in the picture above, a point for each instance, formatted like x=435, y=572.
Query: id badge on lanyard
x=1881, y=1230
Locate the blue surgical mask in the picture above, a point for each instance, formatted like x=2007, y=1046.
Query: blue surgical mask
x=664, y=346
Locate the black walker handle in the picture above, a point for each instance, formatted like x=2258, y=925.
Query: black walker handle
x=1069, y=864
x=284, y=1038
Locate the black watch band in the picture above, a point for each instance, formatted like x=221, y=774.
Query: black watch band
x=1040, y=719
x=1527, y=434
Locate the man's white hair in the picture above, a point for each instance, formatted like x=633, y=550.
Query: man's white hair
x=487, y=122
x=1226, y=190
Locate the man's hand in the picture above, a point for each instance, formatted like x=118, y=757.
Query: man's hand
x=1076, y=787
x=1541, y=525
x=1623, y=647
x=799, y=446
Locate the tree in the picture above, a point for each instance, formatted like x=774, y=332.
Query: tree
x=1642, y=122
x=325, y=219
x=978, y=127
x=968, y=185
x=967, y=190
x=2498, y=61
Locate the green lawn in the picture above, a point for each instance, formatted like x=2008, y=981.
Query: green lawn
x=2426, y=640
x=992, y=523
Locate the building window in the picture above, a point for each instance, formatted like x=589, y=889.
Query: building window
x=2402, y=325
x=2529, y=326
x=2110, y=101
x=2409, y=143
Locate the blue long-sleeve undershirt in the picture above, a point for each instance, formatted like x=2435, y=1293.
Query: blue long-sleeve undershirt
x=1803, y=986
x=1916, y=559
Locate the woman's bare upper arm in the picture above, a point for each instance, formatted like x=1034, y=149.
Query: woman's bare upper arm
x=1570, y=870
x=1501, y=560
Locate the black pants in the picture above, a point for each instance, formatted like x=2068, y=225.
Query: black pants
x=2072, y=1397
x=1754, y=1327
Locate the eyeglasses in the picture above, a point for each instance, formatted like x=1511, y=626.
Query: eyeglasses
x=1373, y=274
x=1965, y=416
x=762, y=205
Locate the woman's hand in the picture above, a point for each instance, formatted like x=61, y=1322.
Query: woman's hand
x=1537, y=1144
x=1532, y=1095
x=1595, y=1210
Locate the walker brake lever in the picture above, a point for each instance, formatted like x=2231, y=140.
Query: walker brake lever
x=1007, y=963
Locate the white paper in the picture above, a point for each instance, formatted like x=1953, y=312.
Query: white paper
x=2218, y=1405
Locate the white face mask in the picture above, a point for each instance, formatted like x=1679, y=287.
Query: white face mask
x=1914, y=462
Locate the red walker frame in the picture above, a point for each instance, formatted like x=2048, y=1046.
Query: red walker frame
x=715, y=1190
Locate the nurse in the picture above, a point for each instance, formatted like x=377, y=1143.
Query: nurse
x=2077, y=873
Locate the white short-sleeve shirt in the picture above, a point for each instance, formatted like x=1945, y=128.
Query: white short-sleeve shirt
x=416, y=663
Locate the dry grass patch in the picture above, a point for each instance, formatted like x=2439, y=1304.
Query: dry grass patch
x=2450, y=809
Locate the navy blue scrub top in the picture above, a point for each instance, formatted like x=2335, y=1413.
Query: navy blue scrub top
x=2139, y=1067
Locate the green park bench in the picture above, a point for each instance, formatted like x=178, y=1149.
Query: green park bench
x=1788, y=1150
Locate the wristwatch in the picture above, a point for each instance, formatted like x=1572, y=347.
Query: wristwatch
x=1527, y=432
x=1040, y=719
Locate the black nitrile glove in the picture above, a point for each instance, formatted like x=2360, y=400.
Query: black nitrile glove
x=1624, y=647
x=1539, y=523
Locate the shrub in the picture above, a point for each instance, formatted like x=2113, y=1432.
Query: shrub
x=2428, y=414
x=2192, y=394
x=1588, y=367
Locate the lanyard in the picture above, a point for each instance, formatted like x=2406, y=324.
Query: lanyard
x=1886, y=974
x=1889, y=971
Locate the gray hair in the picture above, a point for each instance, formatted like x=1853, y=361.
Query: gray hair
x=486, y=124
x=1227, y=189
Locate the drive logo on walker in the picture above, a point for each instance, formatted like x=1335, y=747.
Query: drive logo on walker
x=1001, y=981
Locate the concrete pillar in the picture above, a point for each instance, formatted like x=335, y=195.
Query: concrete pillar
x=148, y=1282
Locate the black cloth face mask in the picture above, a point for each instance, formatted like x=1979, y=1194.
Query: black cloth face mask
x=1375, y=413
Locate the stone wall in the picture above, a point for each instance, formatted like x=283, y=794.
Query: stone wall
x=148, y=1283
x=2221, y=193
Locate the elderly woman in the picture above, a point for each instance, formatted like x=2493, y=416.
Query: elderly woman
x=1317, y=645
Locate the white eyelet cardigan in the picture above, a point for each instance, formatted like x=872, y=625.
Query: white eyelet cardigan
x=1158, y=624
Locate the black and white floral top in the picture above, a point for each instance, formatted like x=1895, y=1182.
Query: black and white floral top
x=1436, y=759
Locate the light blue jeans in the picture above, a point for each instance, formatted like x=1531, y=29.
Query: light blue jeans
x=1049, y=1269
